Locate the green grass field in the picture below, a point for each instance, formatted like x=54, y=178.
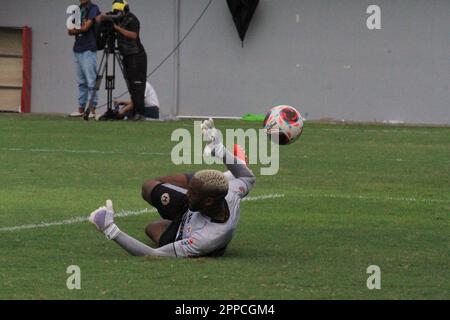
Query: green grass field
x=353, y=196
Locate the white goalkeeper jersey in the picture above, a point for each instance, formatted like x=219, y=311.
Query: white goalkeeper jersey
x=199, y=236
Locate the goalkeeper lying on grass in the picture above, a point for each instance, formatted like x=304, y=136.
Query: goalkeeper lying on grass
x=200, y=211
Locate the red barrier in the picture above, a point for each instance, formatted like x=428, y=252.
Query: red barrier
x=26, y=78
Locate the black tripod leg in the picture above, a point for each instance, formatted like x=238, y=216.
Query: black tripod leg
x=110, y=86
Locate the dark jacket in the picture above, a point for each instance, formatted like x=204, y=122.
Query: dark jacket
x=128, y=46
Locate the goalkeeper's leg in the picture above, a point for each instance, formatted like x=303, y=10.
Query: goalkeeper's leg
x=155, y=229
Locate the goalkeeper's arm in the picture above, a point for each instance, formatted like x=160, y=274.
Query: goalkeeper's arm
x=137, y=248
x=236, y=166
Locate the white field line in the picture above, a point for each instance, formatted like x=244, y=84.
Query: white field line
x=168, y=154
x=75, y=220
x=126, y=213
x=121, y=214
x=381, y=160
x=80, y=151
x=263, y=197
x=361, y=197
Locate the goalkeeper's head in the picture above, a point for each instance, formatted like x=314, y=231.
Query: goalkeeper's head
x=207, y=190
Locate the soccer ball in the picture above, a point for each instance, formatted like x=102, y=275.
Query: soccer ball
x=284, y=122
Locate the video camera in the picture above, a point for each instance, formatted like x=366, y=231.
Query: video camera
x=109, y=20
x=105, y=33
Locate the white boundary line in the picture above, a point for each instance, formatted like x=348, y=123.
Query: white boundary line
x=349, y=197
x=121, y=214
x=81, y=151
x=168, y=154
x=263, y=197
x=127, y=213
x=75, y=220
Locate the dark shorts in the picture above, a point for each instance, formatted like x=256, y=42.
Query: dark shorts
x=171, y=203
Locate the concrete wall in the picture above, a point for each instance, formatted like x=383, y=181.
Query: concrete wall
x=317, y=55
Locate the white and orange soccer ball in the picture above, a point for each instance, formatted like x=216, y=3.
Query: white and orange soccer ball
x=284, y=122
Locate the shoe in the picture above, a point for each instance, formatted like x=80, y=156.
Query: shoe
x=137, y=117
x=76, y=114
x=92, y=115
x=108, y=115
x=103, y=217
x=240, y=153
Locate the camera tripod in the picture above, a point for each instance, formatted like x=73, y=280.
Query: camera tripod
x=105, y=70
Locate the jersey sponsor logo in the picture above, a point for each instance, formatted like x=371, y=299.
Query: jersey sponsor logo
x=188, y=242
x=165, y=199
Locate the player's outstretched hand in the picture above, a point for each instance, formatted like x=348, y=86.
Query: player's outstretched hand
x=213, y=136
x=208, y=124
x=103, y=217
x=209, y=131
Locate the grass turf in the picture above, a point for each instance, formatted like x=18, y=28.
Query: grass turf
x=354, y=196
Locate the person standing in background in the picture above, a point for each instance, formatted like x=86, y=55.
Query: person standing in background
x=85, y=57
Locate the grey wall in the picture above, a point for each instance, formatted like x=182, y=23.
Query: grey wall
x=328, y=64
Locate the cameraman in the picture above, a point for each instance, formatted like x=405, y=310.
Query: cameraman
x=133, y=54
